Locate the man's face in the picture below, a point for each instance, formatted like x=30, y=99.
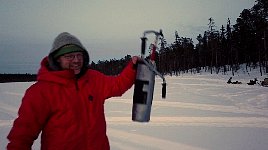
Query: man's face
x=73, y=61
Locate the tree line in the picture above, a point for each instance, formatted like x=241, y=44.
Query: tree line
x=17, y=77
x=217, y=50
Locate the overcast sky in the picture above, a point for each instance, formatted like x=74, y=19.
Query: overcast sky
x=108, y=28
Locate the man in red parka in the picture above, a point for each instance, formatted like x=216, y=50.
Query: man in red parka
x=66, y=104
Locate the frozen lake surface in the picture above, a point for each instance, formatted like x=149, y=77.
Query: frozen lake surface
x=200, y=112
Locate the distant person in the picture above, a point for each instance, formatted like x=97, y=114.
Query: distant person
x=252, y=82
x=230, y=80
x=66, y=104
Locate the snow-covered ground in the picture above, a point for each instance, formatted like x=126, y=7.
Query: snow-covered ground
x=201, y=112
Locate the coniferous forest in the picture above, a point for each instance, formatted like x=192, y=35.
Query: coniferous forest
x=221, y=50
x=217, y=50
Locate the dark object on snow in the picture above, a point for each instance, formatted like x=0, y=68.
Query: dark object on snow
x=237, y=82
x=230, y=80
x=252, y=82
x=265, y=82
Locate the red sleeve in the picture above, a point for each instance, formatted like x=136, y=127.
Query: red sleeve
x=32, y=116
x=118, y=85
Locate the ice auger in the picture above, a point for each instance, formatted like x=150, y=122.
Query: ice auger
x=145, y=80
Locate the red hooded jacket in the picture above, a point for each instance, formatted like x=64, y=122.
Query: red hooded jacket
x=68, y=111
